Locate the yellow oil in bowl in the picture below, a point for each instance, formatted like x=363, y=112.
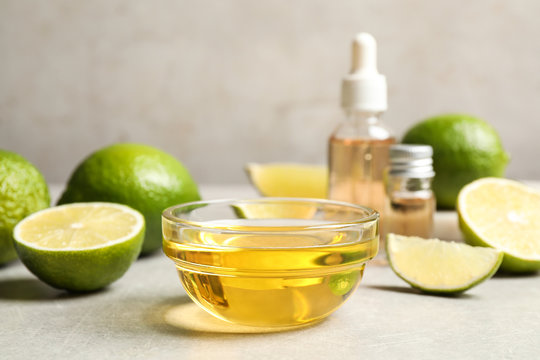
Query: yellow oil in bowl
x=269, y=271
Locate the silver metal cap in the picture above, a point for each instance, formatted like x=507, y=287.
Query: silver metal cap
x=411, y=160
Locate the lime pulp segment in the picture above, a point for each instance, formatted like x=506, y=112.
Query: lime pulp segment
x=79, y=226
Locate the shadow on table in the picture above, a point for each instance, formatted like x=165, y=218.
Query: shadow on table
x=410, y=290
x=502, y=274
x=180, y=315
x=33, y=290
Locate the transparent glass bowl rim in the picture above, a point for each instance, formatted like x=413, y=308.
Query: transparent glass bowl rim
x=370, y=216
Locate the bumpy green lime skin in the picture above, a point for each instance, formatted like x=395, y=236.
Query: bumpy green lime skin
x=510, y=264
x=465, y=148
x=81, y=270
x=23, y=190
x=145, y=178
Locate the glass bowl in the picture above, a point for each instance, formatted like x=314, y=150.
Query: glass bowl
x=270, y=261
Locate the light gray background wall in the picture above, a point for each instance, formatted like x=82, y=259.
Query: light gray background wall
x=218, y=83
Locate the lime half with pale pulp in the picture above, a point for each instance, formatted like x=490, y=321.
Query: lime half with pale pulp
x=505, y=215
x=82, y=246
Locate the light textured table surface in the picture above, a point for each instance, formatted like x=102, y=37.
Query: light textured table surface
x=147, y=315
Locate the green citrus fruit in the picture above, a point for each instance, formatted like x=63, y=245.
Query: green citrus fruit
x=440, y=267
x=505, y=215
x=275, y=210
x=23, y=190
x=342, y=283
x=465, y=148
x=140, y=176
x=289, y=179
x=80, y=247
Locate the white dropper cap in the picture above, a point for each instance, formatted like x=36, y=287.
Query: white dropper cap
x=364, y=88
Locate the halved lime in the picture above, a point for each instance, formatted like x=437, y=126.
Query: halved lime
x=503, y=214
x=82, y=246
x=436, y=266
x=289, y=179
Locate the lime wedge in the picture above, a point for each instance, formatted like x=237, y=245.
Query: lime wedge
x=436, y=266
x=282, y=210
x=289, y=179
x=81, y=246
x=503, y=214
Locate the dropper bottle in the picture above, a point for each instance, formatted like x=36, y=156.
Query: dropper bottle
x=359, y=147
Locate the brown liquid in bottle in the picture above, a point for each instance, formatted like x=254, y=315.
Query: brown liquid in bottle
x=356, y=171
x=356, y=176
x=410, y=216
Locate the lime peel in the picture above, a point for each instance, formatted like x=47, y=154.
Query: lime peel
x=442, y=267
x=23, y=190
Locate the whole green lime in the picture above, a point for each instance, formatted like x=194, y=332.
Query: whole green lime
x=465, y=148
x=145, y=178
x=23, y=190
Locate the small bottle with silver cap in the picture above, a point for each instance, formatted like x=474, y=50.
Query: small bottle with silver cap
x=410, y=202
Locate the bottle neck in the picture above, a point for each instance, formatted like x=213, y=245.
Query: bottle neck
x=360, y=116
x=363, y=125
